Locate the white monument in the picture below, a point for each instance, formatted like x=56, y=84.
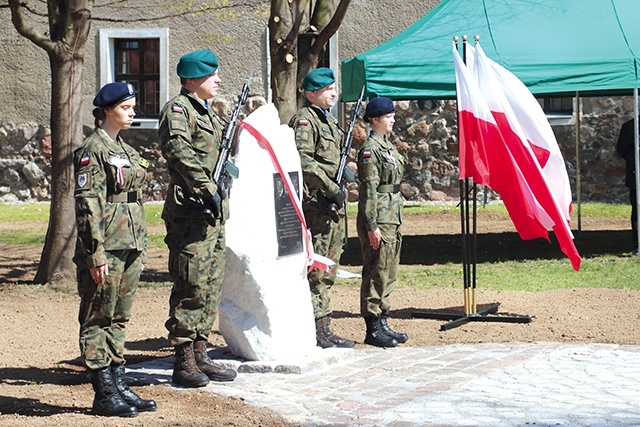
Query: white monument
x=265, y=308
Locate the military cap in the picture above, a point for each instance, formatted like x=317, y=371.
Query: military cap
x=318, y=78
x=113, y=93
x=200, y=63
x=379, y=107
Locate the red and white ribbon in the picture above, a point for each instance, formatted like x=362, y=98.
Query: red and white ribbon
x=313, y=259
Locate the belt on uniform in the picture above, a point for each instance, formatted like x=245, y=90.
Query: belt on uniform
x=130, y=197
x=388, y=188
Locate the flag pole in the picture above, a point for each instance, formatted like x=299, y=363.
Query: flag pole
x=468, y=225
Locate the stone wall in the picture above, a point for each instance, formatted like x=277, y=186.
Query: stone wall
x=425, y=132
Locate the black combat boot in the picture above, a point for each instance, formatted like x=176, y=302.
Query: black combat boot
x=338, y=341
x=185, y=369
x=321, y=334
x=208, y=367
x=398, y=336
x=375, y=333
x=108, y=401
x=128, y=395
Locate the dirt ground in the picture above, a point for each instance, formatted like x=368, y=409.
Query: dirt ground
x=42, y=381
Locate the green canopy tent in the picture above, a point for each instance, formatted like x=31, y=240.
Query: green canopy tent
x=554, y=47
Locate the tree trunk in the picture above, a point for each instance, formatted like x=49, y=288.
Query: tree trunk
x=291, y=61
x=56, y=264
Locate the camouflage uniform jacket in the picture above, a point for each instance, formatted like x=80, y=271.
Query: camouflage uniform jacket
x=318, y=138
x=190, y=137
x=380, y=170
x=109, y=178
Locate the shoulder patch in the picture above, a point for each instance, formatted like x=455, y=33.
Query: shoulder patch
x=143, y=162
x=366, y=154
x=82, y=179
x=178, y=125
x=85, y=161
x=303, y=122
x=177, y=109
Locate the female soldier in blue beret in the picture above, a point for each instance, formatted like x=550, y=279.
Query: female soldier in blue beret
x=379, y=220
x=111, y=247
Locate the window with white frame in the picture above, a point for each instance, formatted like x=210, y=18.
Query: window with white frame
x=139, y=57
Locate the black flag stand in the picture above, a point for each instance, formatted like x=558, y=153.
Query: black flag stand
x=468, y=201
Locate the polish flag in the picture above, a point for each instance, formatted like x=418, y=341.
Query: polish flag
x=495, y=151
x=530, y=123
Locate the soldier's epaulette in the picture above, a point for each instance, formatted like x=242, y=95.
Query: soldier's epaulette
x=83, y=145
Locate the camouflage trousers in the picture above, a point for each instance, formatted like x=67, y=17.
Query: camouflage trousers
x=196, y=265
x=105, y=310
x=327, y=238
x=379, y=268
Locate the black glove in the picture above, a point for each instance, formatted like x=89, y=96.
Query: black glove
x=214, y=205
x=339, y=198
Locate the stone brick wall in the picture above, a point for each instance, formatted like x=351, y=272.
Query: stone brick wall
x=425, y=133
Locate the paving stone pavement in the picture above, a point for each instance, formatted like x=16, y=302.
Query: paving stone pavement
x=489, y=385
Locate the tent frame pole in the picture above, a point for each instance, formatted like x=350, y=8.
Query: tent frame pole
x=636, y=152
x=468, y=223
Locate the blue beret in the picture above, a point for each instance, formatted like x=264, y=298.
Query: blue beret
x=200, y=63
x=318, y=78
x=113, y=93
x=379, y=107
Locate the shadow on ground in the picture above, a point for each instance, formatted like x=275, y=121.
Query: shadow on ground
x=496, y=247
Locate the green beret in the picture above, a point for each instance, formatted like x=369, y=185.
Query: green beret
x=200, y=63
x=318, y=78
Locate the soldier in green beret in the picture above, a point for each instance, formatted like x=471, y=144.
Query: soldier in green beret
x=318, y=138
x=111, y=247
x=379, y=221
x=190, y=137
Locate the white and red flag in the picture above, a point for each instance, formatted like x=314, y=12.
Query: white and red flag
x=507, y=144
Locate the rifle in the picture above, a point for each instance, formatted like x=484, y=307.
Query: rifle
x=223, y=164
x=344, y=153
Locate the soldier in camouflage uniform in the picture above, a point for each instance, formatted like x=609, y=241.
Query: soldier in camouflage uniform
x=318, y=138
x=111, y=247
x=194, y=214
x=379, y=221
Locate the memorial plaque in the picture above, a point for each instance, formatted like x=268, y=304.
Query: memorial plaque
x=288, y=227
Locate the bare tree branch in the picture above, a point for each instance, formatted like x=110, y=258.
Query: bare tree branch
x=25, y=29
x=191, y=10
x=331, y=28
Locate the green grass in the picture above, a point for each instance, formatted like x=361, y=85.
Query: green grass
x=602, y=271
x=33, y=219
x=37, y=212
x=612, y=272
x=27, y=212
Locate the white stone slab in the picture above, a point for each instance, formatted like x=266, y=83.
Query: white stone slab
x=265, y=309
